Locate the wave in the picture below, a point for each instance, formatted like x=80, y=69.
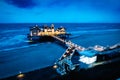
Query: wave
x=14, y=30
x=77, y=34
x=89, y=31
x=8, y=49
x=7, y=41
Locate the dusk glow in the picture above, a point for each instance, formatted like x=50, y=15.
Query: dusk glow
x=59, y=39
x=39, y=11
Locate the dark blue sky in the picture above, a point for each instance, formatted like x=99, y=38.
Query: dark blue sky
x=35, y=11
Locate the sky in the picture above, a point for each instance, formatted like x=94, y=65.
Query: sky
x=60, y=11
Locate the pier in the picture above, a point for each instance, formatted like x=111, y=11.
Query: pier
x=46, y=31
x=75, y=56
x=69, y=43
x=51, y=60
x=88, y=57
x=58, y=34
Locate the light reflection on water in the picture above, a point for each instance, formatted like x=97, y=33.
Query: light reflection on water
x=16, y=54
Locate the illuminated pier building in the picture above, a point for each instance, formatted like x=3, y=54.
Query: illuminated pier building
x=47, y=31
x=76, y=57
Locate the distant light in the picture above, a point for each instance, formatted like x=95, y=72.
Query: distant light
x=71, y=54
x=64, y=55
x=20, y=75
x=34, y=33
x=55, y=66
x=88, y=60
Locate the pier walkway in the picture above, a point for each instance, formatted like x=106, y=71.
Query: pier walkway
x=65, y=59
x=64, y=64
x=69, y=43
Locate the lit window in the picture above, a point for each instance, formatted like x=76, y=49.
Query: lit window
x=87, y=60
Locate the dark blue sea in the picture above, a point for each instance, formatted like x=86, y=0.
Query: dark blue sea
x=16, y=54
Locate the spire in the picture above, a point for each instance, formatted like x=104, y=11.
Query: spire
x=52, y=26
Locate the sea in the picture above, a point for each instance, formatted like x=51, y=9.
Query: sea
x=18, y=55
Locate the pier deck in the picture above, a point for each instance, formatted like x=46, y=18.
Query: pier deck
x=87, y=56
x=65, y=64
x=69, y=43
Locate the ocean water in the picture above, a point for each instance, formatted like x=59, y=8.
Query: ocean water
x=16, y=54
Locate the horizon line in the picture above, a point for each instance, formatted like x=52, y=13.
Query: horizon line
x=54, y=22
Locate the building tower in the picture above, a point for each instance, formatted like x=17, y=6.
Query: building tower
x=45, y=28
x=52, y=28
x=31, y=34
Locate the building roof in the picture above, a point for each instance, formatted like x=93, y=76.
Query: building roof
x=89, y=53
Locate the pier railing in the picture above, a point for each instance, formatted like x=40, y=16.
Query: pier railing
x=69, y=43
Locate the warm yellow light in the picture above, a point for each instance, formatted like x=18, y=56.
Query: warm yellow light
x=55, y=66
x=20, y=76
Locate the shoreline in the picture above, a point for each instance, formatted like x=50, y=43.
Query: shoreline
x=42, y=56
x=13, y=61
x=43, y=73
x=110, y=71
